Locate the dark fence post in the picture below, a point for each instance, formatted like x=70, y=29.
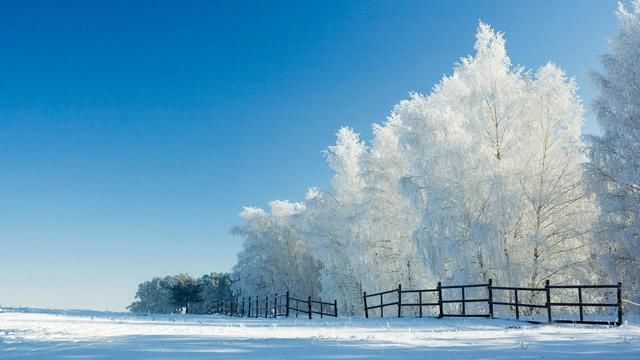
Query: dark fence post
x=287, y=304
x=399, y=299
x=266, y=306
x=580, y=302
x=516, y=301
x=275, y=306
x=441, y=314
x=366, y=310
x=257, y=306
x=490, y=289
x=420, y=302
x=309, y=303
x=335, y=308
x=464, y=312
x=548, y=290
x=321, y=315
x=619, y=303
x=381, y=306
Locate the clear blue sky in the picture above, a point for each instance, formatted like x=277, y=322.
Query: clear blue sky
x=132, y=133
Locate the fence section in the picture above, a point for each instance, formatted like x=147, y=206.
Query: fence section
x=275, y=306
x=516, y=303
x=474, y=300
x=581, y=305
x=324, y=308
x=435, y=300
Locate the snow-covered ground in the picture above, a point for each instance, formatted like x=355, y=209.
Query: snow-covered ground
x=51, y=334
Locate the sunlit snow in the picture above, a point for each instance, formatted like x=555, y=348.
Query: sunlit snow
x=49, y=334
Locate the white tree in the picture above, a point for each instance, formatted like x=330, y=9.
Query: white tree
x=492, y=161
x=558, y=210
x=332, y=224
x=615, y=155
x=274, y=258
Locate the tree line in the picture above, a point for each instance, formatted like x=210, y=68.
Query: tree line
x=487, y=176
x=181, y=293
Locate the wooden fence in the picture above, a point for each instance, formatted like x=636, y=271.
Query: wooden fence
x=278, y=305
x=435, y=303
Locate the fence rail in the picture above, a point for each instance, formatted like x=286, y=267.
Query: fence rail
x=515, y=303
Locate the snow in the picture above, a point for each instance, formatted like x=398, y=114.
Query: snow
x=57, y=334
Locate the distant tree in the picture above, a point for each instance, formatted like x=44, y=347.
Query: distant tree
x=154, y=296
x=186, y=290
x=177, y=293
x=214, y=287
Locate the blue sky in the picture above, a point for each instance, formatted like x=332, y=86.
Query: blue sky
x=132, y=133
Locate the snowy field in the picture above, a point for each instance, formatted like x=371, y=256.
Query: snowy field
x=50, y=334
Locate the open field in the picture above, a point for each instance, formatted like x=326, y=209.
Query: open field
x=57, y=334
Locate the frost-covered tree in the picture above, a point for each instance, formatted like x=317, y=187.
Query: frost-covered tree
x=389, y=221
x=615, y=155
x=274, y=258
x=328, y=228
x=494, y=168
x=332, y=223
x=559, y=211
